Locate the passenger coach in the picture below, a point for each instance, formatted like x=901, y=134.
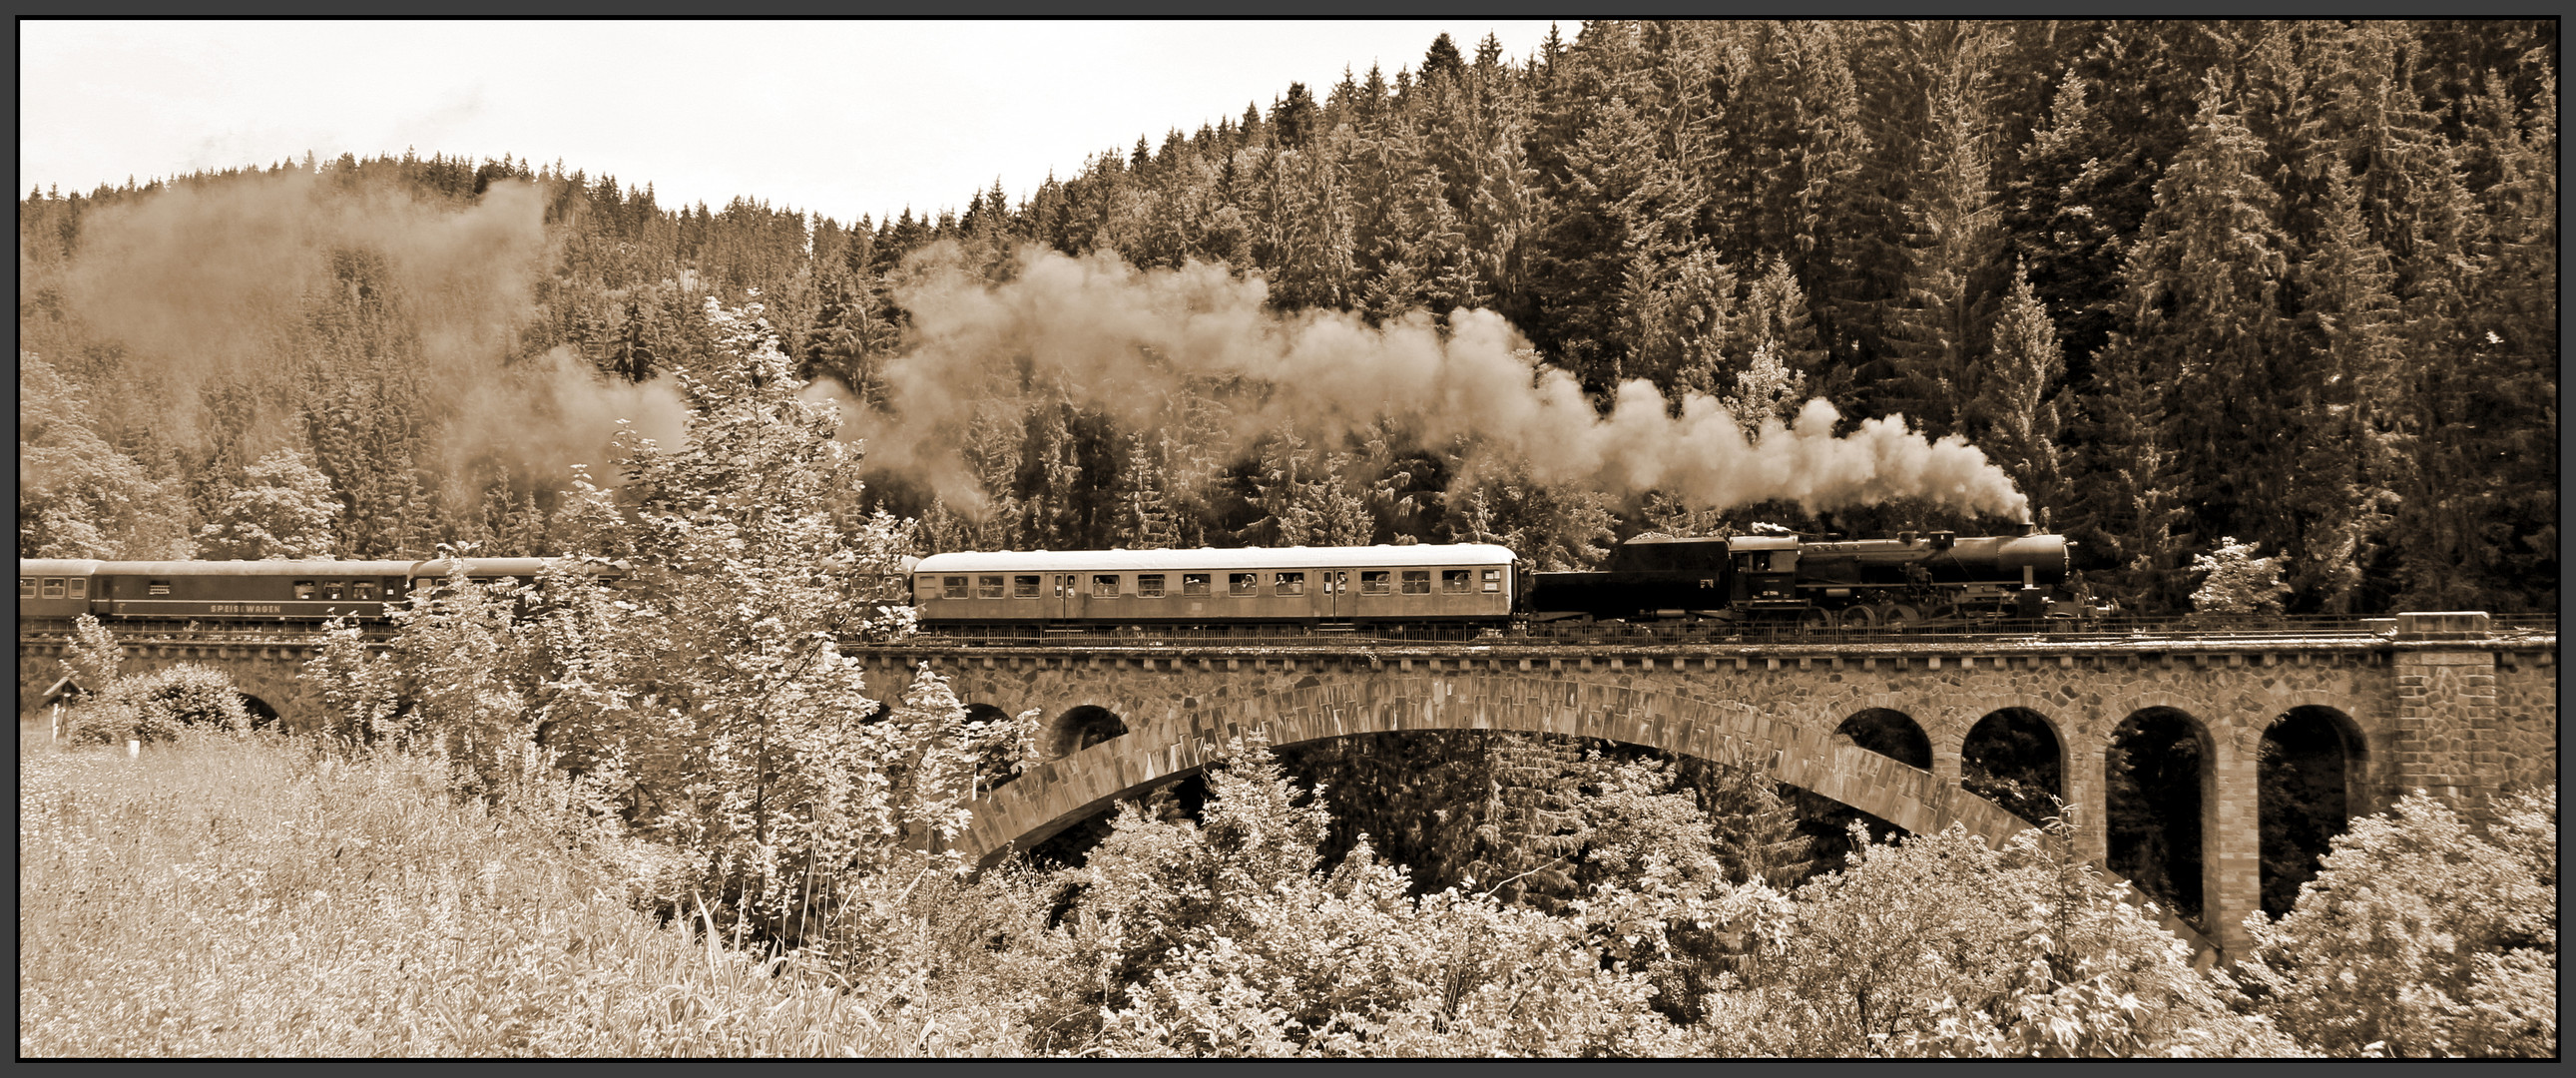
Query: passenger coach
x=1250, y=589
x=213, y=593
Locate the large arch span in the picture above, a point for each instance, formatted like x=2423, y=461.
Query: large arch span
x=1055, y=795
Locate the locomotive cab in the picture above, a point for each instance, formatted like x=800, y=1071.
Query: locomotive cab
x=1765, y=572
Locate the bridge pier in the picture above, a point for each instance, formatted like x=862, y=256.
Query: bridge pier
x=2085, y=792
x=2449, y=741
x=2231, y=853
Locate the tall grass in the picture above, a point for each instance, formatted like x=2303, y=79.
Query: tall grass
x=251, y=896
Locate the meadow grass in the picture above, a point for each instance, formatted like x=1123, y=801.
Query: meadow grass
x=251, y=896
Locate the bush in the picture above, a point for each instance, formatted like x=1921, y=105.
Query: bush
x=2421, y=937
x=154, y=707
x=1232, y=938
x=1942, y=945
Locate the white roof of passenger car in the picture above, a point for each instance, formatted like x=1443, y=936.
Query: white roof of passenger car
x=1212, y=559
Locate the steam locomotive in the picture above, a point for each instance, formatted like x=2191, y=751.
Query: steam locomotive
x=1781, y=580
x=1911, y=580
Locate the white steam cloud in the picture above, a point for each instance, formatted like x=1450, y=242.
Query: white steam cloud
x=1130, y=342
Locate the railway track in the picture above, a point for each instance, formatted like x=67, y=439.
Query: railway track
x=2136, y=631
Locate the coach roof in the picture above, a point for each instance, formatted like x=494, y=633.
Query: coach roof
x=306, y=567
x=1213, y=559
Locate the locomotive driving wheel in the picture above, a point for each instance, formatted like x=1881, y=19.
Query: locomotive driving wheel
x=1860, y=619
x=1899, y=617
x=1815, y=619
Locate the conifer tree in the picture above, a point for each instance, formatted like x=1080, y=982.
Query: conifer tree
x=1950, y=214
x=2017, y=418
x=2349, y=465
x=2206, y=299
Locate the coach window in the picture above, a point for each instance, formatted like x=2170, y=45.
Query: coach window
x=1453, y=581
x=953, y=587
x=1194, y=583
x=1024, y=586
x=1758, y=562
x=53, y=587
x=304, y=589
x=1242, y=583
x=1375, y=581
x=988, y=587
x=1493, y=580
x=80, y=587
x=1104, y=586
x=363, y=590
x=331, y=589
x=157, y=587
x=26, y=587
x=1149, y=585
x=1289, y=583
x=1417, y=582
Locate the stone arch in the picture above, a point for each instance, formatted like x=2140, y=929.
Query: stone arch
x=263, y=716
x=2159, y=779
x=1890, y=733
x=2016, y=756
x=992, y=767
x=1079, y=728
x=2311, y=778
x=1182, y=741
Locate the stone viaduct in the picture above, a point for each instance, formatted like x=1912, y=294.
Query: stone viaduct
x=2440, y=702
x=264, y=666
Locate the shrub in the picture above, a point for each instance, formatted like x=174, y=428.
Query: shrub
x=1941, y=945
x=2420, y=937
x=154, y=707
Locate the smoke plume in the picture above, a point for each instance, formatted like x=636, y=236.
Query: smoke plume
x=1129, y=343
x=222, y=284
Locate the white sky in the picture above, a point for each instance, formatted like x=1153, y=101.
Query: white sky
x=840, y=118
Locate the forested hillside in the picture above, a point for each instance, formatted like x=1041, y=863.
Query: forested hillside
x=2287, y=284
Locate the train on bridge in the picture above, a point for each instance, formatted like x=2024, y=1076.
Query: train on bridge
x=1927, y=579
x=1910, y=580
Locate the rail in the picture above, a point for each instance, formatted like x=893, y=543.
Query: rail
x=2200, y=628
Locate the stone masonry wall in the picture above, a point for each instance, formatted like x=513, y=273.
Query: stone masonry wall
x=1177, y=707
x=265, y=671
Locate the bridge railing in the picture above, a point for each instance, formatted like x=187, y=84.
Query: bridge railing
x=2217, y=627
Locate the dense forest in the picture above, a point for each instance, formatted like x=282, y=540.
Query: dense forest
x=2287, y=285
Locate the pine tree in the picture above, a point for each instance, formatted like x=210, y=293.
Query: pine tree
x=2206, y=284
x=2349, y=464
x=2016, y=419
x=1284, y=488
x=2127, y=513
x=1950, y=251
